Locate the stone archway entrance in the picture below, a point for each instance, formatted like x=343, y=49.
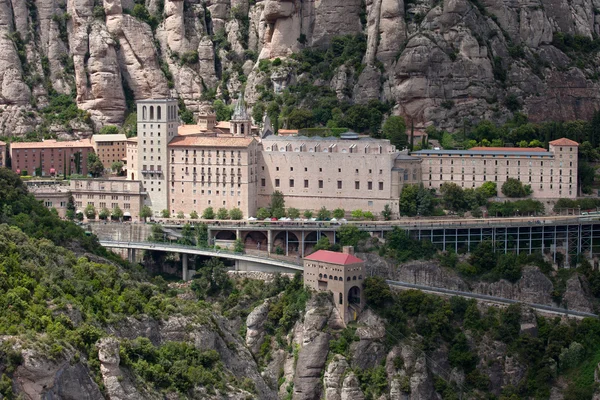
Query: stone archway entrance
x=225, y=235
x=354, y=295
x=287, y=241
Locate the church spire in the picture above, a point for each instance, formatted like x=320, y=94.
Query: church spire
x=240, y=121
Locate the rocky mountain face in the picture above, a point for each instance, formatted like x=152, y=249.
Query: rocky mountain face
x=439, y=61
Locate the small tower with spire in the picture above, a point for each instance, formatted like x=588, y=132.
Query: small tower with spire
x=240, y=123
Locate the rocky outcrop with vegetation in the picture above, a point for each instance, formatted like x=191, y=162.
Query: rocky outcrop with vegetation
x=433, y=61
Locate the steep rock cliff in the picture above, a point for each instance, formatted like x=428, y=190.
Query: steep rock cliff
x=437, y=62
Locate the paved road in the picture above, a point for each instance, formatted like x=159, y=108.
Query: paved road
x=493, y=299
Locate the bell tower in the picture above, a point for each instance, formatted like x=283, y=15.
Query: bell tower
x=240, y=123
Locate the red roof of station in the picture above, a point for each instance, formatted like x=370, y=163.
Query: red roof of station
x=333, y=257
x=564, y=142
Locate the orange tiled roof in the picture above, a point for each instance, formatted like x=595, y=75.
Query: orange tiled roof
x=564, y=142
x=507, y=149
x=211, y=141
x=51, y=143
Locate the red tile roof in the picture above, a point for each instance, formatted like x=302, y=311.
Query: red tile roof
x=507, y=149
x=564, y=142
x=333, y=257
x=52, y=143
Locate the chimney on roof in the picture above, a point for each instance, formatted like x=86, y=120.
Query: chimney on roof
x=348, y=250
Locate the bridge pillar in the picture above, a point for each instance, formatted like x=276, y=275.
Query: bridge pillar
x=302, y=244
x=238, y=234
x=269, y=240
x=209, y=236
x=131, y=255
x=184, y=263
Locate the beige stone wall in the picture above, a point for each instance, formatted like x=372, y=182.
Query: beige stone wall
x=108, y=193
x=550, y=175
x=52, y=197
x=206, y=181
x=351, y=174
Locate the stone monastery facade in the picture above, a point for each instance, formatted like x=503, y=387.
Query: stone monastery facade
x=192, y=167
x=185, y=168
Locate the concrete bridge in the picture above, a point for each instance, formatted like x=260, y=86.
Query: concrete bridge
x=243, y=262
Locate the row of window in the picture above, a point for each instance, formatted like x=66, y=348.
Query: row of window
x=336, y=278
x=531, y=164
x=332, y=148
x=321, y=184
x=507, y=171
x=102, y=197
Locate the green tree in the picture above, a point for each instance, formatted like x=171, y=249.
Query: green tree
x=117, y=213
x=357, y=214
x=368, y=216
x=202, y=235
x=238, y=246
x=293, y=213
x=453, y=197
x=377, y=292
x=187, y=235
x=587, y=152
x=323, y=214
x=117, y=167
x=415, y=200
x=263, y=213
x=300, y=118
x=145, y=212
x=95, y=166
x=586, y=175
x=104, y=213
x=71, y=208
x=180, y=215
x=339, y=213
x=236, y=214
x=394, y=129
x=308, y=214
x=277, y=205
x=194, y=214
x=258, y=112
x=488, y=189
x=90, y=211
x=350, y=235
x=387, y=212
x=109, y=130
x=515, y=188
x=508, y=267
x=208, y=213
x=222, y=111
x=322, y=244
x=483, y=256
x=211, y=279
x=165, y=213
x=222, y=213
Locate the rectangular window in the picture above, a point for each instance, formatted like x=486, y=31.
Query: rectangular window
x=320, y=184
x=306, y=183
x=370, y=185
x=357, y=185
x=380, y=185
x=291, y=183
x=339, y=184
x=276, y=182
x=262, y=182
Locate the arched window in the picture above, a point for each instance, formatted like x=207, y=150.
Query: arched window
x=360, y=277
x=320, y=276
x=348, y=279
x=144, y=112
x=151, y=112
x=158, y=112
x=341, y=298
x=354, y=278
x=330, y=277
x=335, y=278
